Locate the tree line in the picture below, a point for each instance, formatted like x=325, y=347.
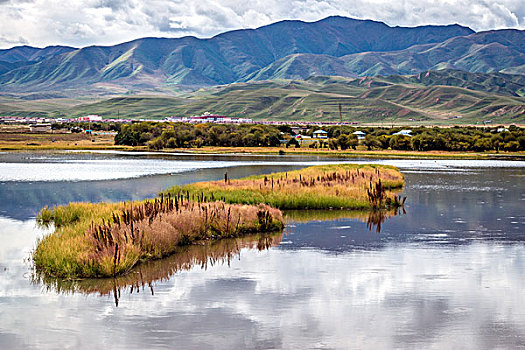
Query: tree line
x=428, y=138
x=179, y=135
x=450, y=139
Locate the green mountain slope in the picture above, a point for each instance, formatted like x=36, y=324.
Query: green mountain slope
x=302, y=66
x=229, y=57
x=499, y=83
x=485, y=52
x=408, y=100
x=32, y=54
x=492, y=51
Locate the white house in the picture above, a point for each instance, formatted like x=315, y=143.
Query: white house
x=360, y=135
x=320, y=134
x=404, y=132
x=40, y=127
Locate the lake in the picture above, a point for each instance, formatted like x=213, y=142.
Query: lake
x=447, y=273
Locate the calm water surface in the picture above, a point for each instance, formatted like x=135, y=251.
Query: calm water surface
x=450, y=273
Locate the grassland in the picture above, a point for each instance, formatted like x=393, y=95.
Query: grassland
x=21, y=138
x=401, y=104
x=344, y=186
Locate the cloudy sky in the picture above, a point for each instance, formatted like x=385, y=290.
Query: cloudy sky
x=106, y=22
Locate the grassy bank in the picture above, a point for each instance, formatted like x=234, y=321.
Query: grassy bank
x=361, y=152
x=102, y=240
x=205, y=254
x=25, y=140
x=345, y=186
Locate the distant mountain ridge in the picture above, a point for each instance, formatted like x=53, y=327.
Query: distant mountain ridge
x=32, y=54
x=268, y=52
x=20, y=56
x=334, y=46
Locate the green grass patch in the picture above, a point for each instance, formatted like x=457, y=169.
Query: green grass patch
x=344, y=186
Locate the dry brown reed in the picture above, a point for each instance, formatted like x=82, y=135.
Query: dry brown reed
x=143, y=277
x=146, y=230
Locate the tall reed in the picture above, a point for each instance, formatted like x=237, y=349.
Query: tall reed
x=109, y=239
x=319, y=187
x=205, y=254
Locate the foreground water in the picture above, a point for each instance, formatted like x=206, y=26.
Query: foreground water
x=449, y=273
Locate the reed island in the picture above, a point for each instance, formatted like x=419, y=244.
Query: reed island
x=92, y=240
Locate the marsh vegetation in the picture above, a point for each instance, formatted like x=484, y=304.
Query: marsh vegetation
x=101, y=240
x=104, y=239
x=205, y=254
x=341, y=186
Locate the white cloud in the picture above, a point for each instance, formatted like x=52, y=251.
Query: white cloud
x=104, y=22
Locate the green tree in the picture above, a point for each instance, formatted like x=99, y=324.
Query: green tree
x=156, y=144
x=371, y=142
x=481, y=144
x=511, y=146
x=496, y=141
x=400, y=142
x=346, y=141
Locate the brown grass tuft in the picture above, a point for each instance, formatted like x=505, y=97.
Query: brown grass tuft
x=111, y=240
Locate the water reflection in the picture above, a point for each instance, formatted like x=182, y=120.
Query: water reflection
x=21, y=200
x=203, y=255
x=373, y=218
x=448, y=274
x=377, y=217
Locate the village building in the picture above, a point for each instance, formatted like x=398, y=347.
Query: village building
x=320, y=134
x=210, y=118
x=360, y=135
x=40, y=127
x=404, y=132
x=90, y=118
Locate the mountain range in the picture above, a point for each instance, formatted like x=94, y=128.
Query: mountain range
x=286, y=70
x=283, y=50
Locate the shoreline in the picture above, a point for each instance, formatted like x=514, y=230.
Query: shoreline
x=211, y=150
